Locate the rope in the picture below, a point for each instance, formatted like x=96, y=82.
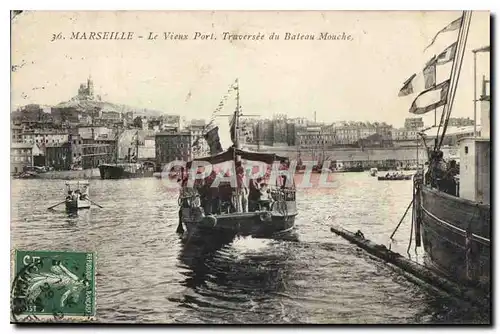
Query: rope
x=402, y=218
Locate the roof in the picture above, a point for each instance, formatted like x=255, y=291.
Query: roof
x=172, y=134
x=230, y=153
x=452, y=130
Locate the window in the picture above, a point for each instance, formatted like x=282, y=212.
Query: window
x=466, y=149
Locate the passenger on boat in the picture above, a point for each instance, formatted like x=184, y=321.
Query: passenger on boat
x=85, y=193
x=448, y=184
x=259, y=195
x=241, y=190
x=211, y=199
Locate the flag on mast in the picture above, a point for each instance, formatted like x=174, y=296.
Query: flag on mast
x=213, y=140
x=433, y=82
x=447, y=55
x=430, y=99
x=452, y=27
x=421, y=81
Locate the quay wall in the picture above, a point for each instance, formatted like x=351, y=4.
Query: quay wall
x=400, y=154
x=71, y=174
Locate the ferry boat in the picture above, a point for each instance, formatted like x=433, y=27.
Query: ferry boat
x=453, y=213
x=205, y=206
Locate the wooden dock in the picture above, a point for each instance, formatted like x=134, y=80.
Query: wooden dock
x=422, y=273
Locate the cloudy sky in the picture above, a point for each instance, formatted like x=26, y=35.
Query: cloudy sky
x=340, y=80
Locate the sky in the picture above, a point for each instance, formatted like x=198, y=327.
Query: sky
x=355, y=80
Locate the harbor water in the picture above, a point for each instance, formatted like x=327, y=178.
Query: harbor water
x=146, y=274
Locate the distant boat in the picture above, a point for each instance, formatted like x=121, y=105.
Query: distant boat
x=127, y=170
x=394, y=177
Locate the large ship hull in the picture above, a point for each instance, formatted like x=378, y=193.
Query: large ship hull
x=456, y=237
x=119, y=172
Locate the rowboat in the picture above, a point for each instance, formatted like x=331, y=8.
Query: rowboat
x=77, y=195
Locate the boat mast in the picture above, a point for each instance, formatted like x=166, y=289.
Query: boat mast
x=237, y=116
x=455, y=75
x=137, y=146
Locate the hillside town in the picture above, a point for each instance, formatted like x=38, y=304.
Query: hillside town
x=85, y=131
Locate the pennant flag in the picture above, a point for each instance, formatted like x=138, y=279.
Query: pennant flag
x=430, y=74
x=447, y=55
x=407, y=86
x=232, y=129
x=213, y=140
x=430, y=99
x=453, y=26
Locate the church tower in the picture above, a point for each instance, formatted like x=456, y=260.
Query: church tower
x=90, y=87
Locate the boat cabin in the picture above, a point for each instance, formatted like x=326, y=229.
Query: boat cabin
x=475, y=175
x=218, y=179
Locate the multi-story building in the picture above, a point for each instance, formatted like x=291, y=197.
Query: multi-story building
x=264, y=132
x=58, y=155
x=414, y=123
x=460, y=121
x=347, y=134
x=16, y=132
x=21, y=155
x=279, y=126
x=172, y=146
x=291, y=134
x=95, y=151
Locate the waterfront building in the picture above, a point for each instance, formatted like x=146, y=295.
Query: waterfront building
x=460, y=121
x=414, y=123
x=16, y=133
x=58, y=155
x=21, y=156
x=173, y=146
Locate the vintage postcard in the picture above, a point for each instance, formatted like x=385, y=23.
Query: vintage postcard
x=250, y=167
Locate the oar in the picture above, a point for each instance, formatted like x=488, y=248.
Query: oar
x=53, y=206
x=91, y=201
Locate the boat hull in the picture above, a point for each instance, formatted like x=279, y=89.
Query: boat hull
x=111, y=172
x=259, y=224
x=446, y=222
x=75, y=205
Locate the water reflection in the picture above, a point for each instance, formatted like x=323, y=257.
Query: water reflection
x=225, y=275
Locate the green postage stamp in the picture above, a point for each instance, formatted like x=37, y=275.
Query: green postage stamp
x=53, y=286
